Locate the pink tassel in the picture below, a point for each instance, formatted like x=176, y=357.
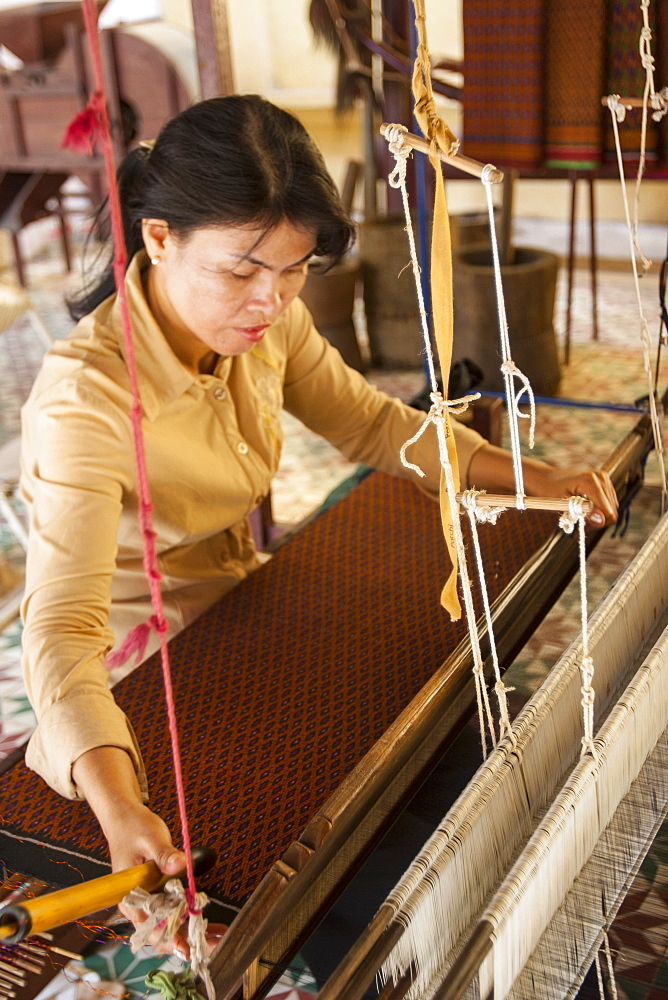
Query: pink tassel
x=86, y=129
x=135, y=642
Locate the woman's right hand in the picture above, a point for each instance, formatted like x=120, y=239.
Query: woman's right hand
x=106, y=778
x=139, y=836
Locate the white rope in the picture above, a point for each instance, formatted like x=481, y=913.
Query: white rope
x=508, y=368
x=438, y=416
x=568, y=520
x=599, y=976
x=611, y=971
x=477, y=513
x=397, y=179
x=617, y=113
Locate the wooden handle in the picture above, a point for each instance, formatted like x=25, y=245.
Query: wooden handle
x=61, y=907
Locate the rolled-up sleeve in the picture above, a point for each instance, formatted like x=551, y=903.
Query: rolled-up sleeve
x=364, y=424
x=74, y=472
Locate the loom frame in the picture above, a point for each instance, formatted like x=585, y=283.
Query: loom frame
x=311, y=873
x=360, y=965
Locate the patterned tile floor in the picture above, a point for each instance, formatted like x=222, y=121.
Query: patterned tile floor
x=610, y=370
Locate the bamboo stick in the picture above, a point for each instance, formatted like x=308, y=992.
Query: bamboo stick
x=632, y=102
x=464, y=163
x=535, y=503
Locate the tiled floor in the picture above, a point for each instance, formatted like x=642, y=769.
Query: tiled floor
x=608, y=371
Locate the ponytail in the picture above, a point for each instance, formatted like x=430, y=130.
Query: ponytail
x=129, y=176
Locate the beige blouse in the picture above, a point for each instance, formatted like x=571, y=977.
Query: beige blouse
x=212, y=443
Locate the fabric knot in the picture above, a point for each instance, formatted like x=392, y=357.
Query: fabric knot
x=439, y=410
x=433, y=126
x=165, y=913
x=173, y=985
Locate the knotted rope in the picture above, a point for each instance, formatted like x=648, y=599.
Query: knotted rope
x=441, y=277
x=441, y=138
x=617, y=115
x=509, y=369
x=575, y=515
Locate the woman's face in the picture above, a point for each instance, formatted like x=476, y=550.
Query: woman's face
x=216, y=292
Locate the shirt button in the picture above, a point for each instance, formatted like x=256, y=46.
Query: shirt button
x=242, y=448
x=219, y=392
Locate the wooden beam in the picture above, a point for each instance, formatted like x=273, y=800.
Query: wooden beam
x=212, y=42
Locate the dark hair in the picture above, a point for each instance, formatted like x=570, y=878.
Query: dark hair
x=236, y=160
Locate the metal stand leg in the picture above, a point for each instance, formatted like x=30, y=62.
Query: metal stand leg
x=593, y=258
x=571, y=265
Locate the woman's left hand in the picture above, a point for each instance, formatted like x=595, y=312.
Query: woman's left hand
x=491, y=468
x=595, y=485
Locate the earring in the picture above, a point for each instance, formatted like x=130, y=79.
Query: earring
x=155, y=260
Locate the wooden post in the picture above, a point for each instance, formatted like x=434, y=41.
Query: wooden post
x=212, y=42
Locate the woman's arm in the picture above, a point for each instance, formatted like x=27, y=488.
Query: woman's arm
x=368, y=426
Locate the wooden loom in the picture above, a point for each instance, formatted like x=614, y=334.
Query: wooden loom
x=534, y=807
x=314, y=866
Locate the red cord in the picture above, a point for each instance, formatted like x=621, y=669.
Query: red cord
x=96, y=118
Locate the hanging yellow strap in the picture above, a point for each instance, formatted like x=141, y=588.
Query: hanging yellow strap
x=439, y=135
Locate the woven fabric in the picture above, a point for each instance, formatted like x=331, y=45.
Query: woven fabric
x=283, y=686
x=660, y=50
x=626, y=77
x=503, y=81
x=575, y=82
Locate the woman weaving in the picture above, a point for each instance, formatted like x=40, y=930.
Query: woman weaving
x=222, y=217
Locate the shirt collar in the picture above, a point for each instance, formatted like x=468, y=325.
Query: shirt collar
x=162, y=377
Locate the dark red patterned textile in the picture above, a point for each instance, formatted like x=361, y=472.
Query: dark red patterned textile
x=283, y=686
x=626, y=76
x=534, y=76
x=503, y=81
x=575, y=49
x=661, y=73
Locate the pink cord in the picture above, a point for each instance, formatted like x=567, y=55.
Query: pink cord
x=95, y=118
